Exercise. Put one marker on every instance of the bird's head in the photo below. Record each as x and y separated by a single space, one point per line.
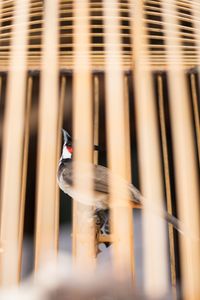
67 145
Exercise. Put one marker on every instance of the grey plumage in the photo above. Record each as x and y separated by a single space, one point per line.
100 177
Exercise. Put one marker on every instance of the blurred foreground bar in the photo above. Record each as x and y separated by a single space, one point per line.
84 251
154 235
12 156
121 211
186 180
47 214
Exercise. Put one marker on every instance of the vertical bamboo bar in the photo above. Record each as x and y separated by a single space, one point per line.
13 137
184 154
195 10
196 24
59 138
24 168
1 2
47 214
115 122
0 87
196 112
155 258
96 117
83 141
167 183
128 167
127 128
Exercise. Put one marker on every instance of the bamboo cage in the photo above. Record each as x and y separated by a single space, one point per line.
121 75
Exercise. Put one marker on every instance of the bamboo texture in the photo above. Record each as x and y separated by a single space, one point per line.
196 114
59 143
185 162
96 117
167 183
47 214
129 176
84 233
115 109
81 47
155 256
12 160
24 170
153 18
196 14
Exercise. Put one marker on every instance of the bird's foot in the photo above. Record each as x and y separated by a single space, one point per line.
101 217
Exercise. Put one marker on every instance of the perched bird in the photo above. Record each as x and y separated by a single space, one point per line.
101 188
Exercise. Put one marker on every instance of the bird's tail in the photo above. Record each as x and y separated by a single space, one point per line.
177 224
137 198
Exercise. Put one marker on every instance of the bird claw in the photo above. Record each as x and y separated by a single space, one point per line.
102 227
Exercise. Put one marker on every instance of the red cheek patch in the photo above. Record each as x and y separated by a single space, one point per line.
69 149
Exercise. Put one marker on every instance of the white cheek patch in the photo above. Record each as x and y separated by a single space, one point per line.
66 153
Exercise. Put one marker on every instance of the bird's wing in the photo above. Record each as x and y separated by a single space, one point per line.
101 176
101 183
100 179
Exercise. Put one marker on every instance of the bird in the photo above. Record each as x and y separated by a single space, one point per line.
101 189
